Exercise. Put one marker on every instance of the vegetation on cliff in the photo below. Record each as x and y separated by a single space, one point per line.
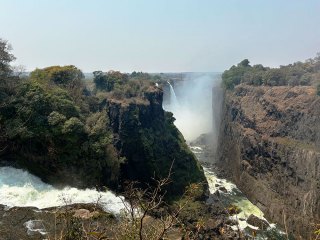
49 129
52 124
145 134
299 73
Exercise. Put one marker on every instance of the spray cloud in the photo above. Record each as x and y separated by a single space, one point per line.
193 106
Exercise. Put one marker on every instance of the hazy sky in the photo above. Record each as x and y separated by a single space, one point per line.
160 35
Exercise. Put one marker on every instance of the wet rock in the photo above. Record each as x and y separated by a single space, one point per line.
212 224
85 214
29 223
231 222
35 227
217 193
257 222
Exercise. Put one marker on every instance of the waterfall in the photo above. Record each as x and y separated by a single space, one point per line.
193 108
22 189
174 104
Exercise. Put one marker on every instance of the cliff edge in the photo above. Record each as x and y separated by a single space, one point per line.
270 146
145 135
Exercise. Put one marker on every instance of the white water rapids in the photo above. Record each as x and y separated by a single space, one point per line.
20 188
194 116
231 195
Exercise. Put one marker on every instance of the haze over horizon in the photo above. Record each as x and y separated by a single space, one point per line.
154 36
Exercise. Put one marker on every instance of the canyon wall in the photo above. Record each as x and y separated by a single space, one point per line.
269 145
124 138
146 137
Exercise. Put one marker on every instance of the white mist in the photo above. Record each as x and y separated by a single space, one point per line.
193 105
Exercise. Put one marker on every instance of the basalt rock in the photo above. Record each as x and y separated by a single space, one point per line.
146 137
270 146
257 222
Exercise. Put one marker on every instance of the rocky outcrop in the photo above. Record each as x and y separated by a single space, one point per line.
270 146
146 137
30 223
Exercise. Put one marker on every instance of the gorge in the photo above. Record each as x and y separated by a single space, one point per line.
198 118
250 135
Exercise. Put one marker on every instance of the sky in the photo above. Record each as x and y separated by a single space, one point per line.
160 35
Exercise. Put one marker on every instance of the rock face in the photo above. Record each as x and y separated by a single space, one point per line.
269 145
145 135
139 132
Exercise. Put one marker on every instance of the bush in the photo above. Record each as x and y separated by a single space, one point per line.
293 74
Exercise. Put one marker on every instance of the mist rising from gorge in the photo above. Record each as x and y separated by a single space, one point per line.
194 108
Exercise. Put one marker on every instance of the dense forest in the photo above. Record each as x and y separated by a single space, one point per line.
299 73
58 128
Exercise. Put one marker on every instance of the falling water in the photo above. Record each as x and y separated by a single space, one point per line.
22 189
190 102
199 111
174 104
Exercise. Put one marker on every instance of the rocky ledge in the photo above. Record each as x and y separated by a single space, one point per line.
89 221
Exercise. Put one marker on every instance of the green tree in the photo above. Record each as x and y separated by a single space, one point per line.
108 81
67 77
6 57
60 75
274 77
234 76
244 63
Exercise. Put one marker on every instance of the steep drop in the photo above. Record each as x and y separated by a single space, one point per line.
270 148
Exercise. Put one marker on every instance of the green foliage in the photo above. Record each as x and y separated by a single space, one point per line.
151 145
122 86
66 75
318 90
51 125
140 75
73 126
6 57
293 74
132 89
234 75
69 78
108 81
45 123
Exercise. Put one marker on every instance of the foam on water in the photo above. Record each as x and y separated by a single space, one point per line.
213 181
22 189
235 196
34 226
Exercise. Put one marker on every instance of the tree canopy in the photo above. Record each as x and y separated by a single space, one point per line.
299 73
6 57
108 81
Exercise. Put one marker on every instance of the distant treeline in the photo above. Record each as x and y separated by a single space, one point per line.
299 73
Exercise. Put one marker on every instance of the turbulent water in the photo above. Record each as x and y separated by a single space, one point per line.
231 195
195 102
20 188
